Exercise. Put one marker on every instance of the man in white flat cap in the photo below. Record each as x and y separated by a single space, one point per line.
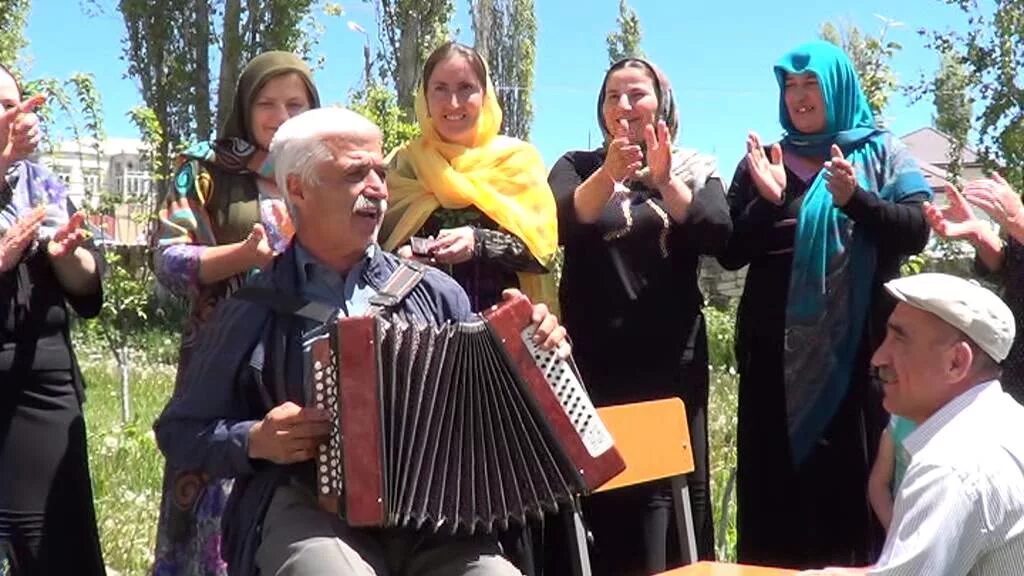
960 508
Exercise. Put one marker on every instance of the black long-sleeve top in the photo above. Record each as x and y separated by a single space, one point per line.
655 329
764 235
34 316
1011 280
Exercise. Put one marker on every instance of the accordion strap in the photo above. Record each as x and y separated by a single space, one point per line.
399 284
395 289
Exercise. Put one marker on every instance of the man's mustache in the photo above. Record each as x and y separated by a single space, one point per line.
367 203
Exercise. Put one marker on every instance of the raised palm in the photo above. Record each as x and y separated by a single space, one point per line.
998 200
768 173
659 153
15 140
957 220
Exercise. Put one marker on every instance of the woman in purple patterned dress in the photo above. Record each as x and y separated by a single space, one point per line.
222 218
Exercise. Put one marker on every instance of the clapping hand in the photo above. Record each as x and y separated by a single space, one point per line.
19 131
957 220
769 174
840 177
68 237
998 200
624 158
19 237
659 153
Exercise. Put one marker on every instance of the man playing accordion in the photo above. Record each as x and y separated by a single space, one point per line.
242 412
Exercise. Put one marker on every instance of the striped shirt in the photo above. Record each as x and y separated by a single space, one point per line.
960 509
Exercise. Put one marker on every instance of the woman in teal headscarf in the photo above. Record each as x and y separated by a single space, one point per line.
822 218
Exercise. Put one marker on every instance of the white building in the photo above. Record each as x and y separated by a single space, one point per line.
112 170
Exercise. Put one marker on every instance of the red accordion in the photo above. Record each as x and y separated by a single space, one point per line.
464 427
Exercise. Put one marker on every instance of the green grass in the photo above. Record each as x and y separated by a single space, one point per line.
722 430
127 467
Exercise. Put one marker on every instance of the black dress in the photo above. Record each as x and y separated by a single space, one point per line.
632 306
47 520
818 514
1011 280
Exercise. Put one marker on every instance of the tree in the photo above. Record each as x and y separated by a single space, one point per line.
73 105
992 53
380 105
505 33
409 30
267 25
70 102
13 16
953 109
871 57
625 43
159 49
167 48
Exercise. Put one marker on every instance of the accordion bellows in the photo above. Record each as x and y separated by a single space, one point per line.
465 427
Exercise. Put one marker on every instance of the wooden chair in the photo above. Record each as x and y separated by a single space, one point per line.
654 440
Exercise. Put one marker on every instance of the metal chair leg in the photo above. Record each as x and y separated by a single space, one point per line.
580 552
684 519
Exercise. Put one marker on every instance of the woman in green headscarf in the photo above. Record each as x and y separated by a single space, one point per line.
822 218
222 218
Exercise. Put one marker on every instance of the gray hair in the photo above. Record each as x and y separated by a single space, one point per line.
298 145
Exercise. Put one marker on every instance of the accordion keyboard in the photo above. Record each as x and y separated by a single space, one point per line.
571 395
325 390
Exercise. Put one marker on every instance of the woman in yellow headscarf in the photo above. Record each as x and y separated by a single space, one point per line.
481 200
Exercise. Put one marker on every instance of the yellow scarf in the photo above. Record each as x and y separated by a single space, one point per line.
503 177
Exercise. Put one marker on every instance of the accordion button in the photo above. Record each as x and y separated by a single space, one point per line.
324 490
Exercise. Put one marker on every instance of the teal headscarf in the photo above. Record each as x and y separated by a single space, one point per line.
834 260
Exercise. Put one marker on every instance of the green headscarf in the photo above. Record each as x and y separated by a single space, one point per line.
234 206
257 72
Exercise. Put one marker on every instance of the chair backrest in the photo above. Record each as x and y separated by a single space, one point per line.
716 569
653 439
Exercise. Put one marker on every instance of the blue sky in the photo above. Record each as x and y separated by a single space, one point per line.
718 55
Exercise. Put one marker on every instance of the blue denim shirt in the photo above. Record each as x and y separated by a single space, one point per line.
349 292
